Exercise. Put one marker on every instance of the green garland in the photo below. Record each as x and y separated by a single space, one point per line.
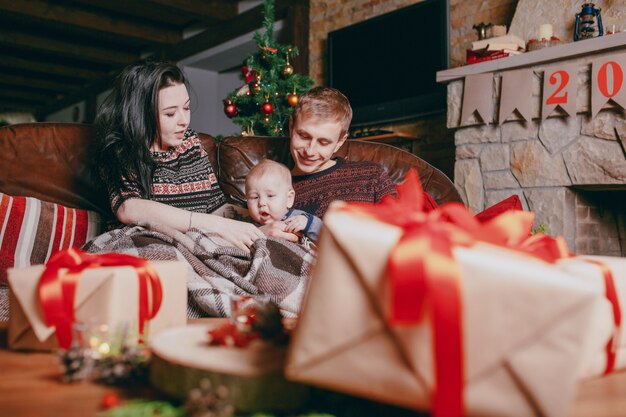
144 408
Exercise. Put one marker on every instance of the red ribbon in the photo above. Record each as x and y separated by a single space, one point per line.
421 268
57 288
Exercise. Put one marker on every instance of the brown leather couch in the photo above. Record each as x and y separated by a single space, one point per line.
53 162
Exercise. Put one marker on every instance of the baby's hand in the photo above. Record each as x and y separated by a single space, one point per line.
296 223
278 229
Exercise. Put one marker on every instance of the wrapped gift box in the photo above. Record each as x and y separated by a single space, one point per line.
105 295
529 328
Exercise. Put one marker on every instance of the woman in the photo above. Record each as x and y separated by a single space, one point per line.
161 183
155 167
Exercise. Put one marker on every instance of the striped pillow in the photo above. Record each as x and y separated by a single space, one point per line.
32 230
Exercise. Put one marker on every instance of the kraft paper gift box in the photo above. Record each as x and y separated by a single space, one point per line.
529 329
590 269
104 295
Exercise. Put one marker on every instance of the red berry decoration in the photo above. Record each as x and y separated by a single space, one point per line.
110 400
267 108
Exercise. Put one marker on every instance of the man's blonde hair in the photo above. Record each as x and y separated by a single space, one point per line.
325 103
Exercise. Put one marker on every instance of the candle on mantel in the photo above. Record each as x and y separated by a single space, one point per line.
545 32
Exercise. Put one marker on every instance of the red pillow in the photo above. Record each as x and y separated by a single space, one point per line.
32 230
511 203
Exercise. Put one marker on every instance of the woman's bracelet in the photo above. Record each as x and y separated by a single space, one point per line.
190 215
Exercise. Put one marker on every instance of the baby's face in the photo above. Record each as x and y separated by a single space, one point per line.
269 197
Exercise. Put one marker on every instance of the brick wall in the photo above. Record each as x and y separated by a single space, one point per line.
436 143
329 15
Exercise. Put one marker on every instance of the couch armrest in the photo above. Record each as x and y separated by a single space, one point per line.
52 162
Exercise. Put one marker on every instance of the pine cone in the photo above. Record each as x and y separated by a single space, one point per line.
129 365
269 324
76 363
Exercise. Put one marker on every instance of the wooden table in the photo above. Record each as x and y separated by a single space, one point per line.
30 387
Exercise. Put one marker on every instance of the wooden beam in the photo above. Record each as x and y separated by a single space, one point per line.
12 106
245 22
138 8
45 11
47 67
92 89
36 82
67 49
211 9
7 93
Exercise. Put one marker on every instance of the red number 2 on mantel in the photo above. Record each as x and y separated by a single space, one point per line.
555 77
618 79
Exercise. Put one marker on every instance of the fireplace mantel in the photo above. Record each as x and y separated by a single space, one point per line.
562 166
543 56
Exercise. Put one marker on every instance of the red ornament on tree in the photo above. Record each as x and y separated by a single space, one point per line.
248 73
229 108
267 108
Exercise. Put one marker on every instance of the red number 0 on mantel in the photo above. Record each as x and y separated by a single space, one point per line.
618 78
555 98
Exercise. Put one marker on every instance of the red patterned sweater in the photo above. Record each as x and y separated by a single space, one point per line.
183 178
363 181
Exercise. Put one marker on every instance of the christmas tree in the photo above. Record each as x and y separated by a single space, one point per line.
262 106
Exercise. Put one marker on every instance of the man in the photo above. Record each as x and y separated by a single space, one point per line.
318 127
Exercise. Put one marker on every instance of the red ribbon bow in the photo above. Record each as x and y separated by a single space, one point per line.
57 288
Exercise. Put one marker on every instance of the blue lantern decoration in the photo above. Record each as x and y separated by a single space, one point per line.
585 25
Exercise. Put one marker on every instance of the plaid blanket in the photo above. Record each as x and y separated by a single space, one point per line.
4 303
216 269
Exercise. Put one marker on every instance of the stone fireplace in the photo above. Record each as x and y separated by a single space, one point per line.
570 170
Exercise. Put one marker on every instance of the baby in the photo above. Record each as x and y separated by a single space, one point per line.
270 197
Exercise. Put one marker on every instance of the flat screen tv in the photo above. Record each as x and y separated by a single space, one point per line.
386 65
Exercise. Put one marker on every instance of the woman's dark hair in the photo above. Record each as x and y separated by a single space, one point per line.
127 123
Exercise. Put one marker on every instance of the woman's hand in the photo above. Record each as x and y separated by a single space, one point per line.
278 229
240 234
137 211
